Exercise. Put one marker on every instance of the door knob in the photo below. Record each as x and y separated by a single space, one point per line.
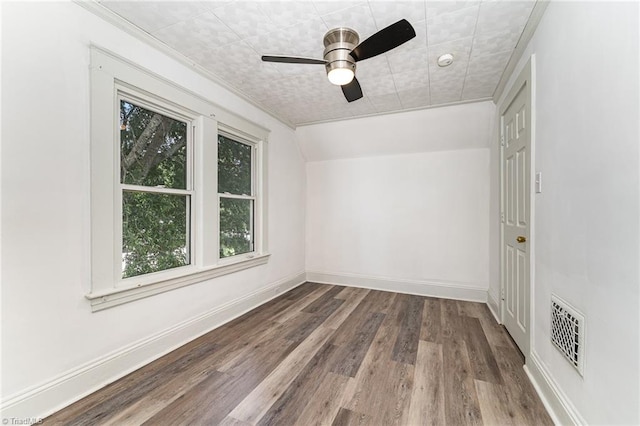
521 239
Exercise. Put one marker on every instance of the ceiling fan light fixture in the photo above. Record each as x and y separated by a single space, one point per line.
341 76
342 49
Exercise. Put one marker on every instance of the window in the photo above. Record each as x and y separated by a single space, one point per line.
156 189
177 186
236 196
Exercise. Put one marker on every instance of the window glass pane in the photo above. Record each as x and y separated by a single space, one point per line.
236 226
153 148
155 232
234 167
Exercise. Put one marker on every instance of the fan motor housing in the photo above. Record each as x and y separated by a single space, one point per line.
338 44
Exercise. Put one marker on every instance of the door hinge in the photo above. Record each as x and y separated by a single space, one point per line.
502 293
502 217
502 140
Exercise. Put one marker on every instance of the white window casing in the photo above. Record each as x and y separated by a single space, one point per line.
113 78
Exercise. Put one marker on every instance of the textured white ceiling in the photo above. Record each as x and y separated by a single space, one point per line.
228 37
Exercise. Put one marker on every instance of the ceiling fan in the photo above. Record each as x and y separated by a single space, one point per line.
342 51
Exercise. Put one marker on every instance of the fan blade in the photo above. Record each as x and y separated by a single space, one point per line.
352 91
293 60
384 40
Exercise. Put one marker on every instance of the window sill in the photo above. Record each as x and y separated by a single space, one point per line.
120 295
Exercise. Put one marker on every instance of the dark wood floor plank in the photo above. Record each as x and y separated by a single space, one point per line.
357 396
351 418
253 407
450 319
245 352
350 292
129 382
300 291
325 403
483 363
352 324
255 319
430 329
351 302
315 320
523 400
300 392
495 333
225 392
301 303
322 354
393 381
406 346
461 401
267 355
391 404
208 402
158 399
323 300
350 356
135 386
166 392
470 309
377 301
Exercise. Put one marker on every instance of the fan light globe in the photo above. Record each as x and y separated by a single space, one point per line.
340 76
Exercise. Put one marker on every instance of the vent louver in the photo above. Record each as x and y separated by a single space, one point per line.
567 332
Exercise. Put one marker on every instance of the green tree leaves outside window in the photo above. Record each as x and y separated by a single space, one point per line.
235 178
155 226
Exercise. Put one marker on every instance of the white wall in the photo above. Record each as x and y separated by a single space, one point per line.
587 234
413 221
47 325
465 126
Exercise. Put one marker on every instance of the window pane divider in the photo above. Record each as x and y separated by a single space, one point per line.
237 197
156 189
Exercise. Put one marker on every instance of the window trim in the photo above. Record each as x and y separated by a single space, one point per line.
111 76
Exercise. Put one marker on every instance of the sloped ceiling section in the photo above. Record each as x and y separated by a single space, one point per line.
454 127
227 38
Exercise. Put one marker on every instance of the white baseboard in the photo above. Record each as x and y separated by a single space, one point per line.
494 307
47 398
448 290
555 401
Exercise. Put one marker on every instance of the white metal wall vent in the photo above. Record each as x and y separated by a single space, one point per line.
567 332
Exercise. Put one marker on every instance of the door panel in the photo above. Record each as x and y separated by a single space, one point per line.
510 265
516 195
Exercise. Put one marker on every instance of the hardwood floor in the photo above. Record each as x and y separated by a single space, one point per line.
331 355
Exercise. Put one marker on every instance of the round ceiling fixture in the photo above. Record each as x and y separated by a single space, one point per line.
340 76
445 60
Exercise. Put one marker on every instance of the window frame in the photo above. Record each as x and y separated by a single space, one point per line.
160 106
113 79
254 196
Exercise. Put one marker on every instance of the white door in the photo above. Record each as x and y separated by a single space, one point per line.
516 166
